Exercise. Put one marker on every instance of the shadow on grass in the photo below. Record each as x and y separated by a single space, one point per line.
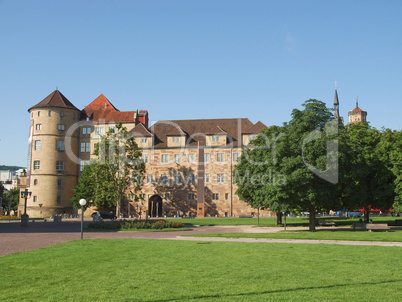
279 291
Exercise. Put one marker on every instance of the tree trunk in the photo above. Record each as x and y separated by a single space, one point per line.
278 218
311 225
366 215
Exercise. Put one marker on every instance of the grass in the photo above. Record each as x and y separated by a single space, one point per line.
390 236
135 230
271 222
167 270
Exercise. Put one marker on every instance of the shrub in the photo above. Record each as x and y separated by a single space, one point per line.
140 224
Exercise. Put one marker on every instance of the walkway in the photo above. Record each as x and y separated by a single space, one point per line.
15 238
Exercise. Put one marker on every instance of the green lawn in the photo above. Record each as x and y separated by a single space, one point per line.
270 222
391 236
167 270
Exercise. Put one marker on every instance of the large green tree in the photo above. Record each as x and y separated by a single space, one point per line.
117 170
373 180
298 160
85 189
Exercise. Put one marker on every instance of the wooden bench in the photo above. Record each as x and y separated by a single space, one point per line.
326 222
377 227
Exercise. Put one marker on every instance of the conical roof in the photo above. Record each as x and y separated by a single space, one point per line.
336 101
55 99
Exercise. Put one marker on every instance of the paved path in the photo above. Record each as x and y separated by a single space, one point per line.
15 238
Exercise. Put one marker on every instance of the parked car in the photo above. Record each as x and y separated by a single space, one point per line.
105 215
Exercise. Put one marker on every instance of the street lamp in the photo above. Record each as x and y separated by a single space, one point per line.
24 217
83 202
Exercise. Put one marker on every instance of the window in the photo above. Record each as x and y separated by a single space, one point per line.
167 196
61 114
37 145
191 178
38 113
251 137
83 163
164 179
226 196
177 158
206 177
60 145
60 127
35 198
220 157
36 165
191 158
206 157
144 140
215 138
215 196
144 158
165 158
35 182
176 139
142 196
59 182
150 178
38 126
178 179
59 165
85 147
99 130
191 196
236 156
113 129
50 113
58 199
220 177
86 130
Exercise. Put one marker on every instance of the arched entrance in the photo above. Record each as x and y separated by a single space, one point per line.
155 206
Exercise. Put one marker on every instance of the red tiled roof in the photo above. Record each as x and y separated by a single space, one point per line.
102 110
196 130
55 99
357 109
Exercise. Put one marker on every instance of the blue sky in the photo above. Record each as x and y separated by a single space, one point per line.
199 59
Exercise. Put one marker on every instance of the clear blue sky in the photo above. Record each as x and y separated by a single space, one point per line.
199 59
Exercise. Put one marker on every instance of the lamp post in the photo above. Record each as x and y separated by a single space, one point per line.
24 217
83 202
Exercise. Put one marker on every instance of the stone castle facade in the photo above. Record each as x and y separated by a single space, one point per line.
189 163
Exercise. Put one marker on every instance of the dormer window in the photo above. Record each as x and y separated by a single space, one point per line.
215 138
176 139
144 140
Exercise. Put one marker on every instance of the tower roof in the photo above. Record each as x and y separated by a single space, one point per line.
55 99
336 101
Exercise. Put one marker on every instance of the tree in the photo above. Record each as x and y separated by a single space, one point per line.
371 171
12 198
1 190
117 169
85 189
298 161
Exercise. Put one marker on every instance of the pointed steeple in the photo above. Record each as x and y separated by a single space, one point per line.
336 104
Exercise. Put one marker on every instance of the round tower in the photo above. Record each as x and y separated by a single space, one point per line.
51 173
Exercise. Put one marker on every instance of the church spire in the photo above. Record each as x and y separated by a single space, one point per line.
336 103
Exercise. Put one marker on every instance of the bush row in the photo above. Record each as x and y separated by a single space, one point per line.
127 225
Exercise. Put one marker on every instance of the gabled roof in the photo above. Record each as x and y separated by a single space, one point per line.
256 128
140 131
102 110
196 130
55 99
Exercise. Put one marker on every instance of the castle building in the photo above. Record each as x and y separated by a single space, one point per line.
189 163
357 115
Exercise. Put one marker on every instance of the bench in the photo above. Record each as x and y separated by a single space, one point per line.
377 227
326 222
398 221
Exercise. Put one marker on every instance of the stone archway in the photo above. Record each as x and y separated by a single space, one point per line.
155 206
